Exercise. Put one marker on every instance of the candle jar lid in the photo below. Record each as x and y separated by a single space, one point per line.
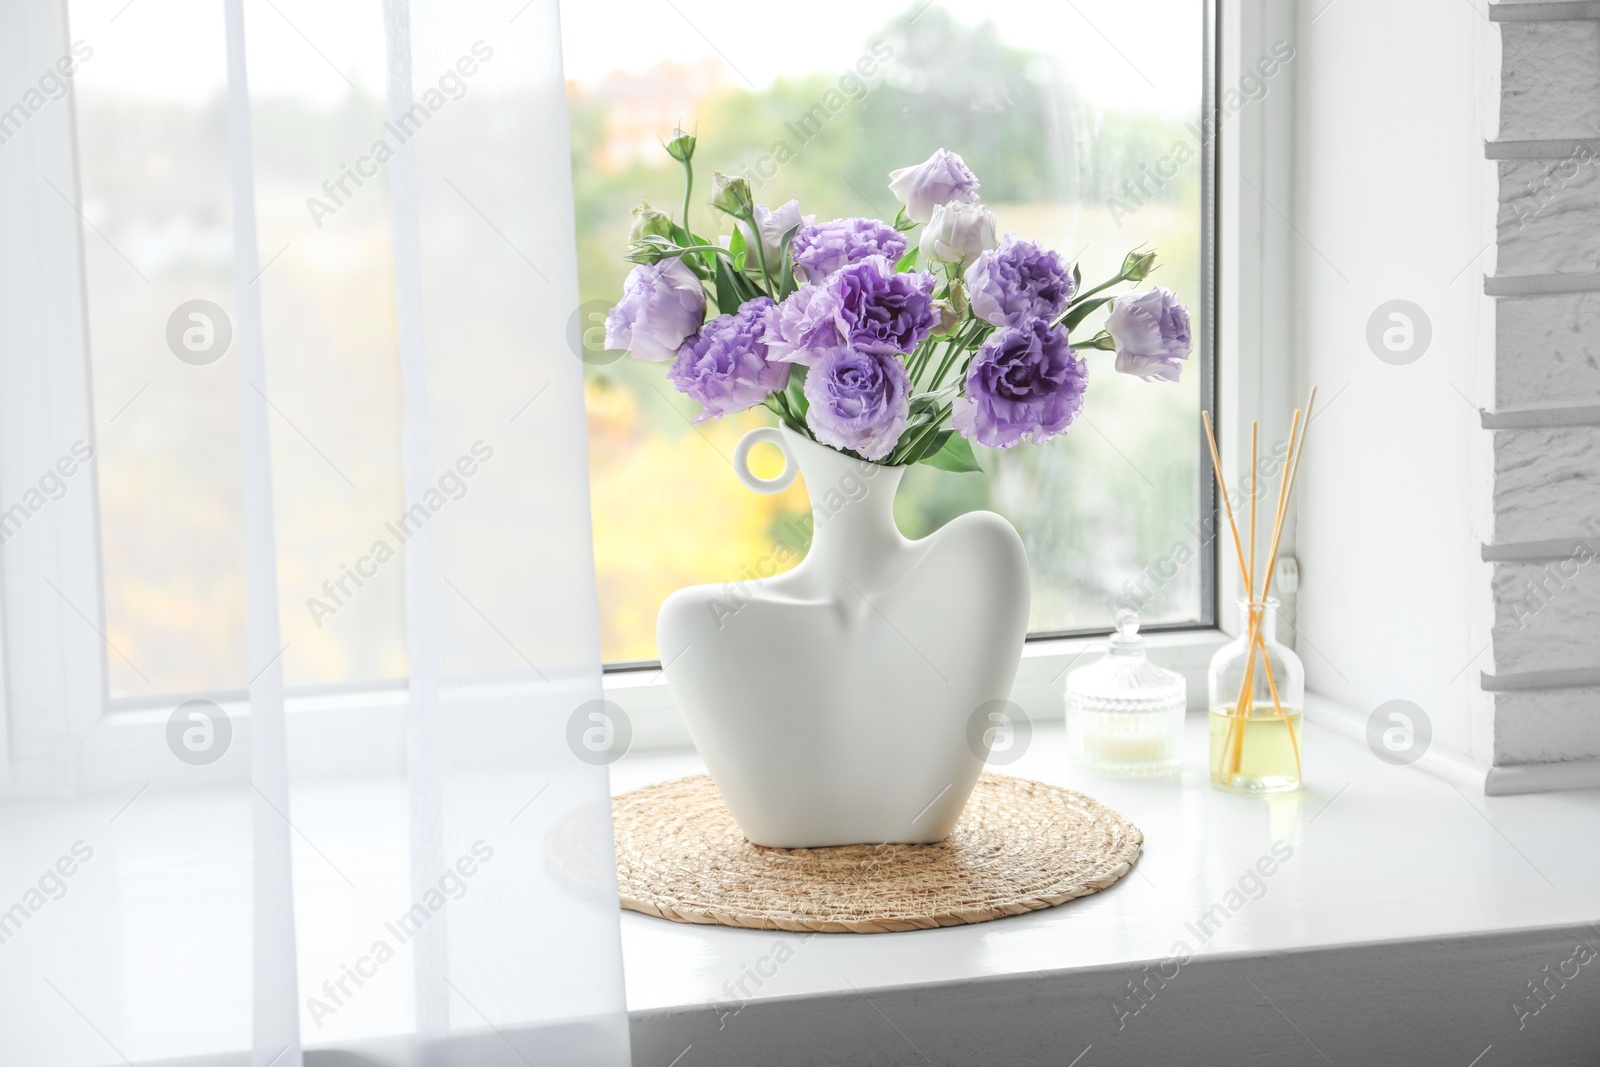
1125 676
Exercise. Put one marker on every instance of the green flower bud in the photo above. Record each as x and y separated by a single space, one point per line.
648 220
732 196
681 147
649 249
1137 267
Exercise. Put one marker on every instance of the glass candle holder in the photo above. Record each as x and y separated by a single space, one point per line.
1257 708
1125 714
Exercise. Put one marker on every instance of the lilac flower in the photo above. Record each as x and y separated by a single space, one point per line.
808 325
957 233
772 223
943 178
888 313
821 249
1018 281
1025 384
859 401
865 307
725 366
1151 330
662 304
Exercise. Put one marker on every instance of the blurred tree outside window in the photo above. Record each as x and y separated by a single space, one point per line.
1070 139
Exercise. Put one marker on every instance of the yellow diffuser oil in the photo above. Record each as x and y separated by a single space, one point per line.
1257 754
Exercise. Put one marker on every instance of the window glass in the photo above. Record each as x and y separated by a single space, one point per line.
1081 120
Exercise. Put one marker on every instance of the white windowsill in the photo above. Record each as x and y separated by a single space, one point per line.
1381 855
1383 858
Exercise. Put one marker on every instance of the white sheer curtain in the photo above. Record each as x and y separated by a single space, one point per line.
347 846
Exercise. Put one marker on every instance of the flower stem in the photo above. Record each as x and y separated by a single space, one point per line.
1086 294
761 252
919 358
944 366
967 338
930 430
778 404
688 190
697 248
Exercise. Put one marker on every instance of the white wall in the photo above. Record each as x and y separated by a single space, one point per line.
1393 200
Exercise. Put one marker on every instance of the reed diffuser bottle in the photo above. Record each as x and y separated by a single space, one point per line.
1257 703
1257 687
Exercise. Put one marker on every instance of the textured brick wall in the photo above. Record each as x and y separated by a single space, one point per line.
1543 535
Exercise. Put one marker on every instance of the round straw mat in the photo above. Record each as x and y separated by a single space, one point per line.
1020 846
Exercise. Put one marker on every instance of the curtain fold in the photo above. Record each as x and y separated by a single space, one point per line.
423 735
347 844
276 1034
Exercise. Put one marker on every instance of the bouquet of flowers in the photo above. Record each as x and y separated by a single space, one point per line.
858 338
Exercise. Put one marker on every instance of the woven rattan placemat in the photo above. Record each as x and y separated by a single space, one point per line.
1020 846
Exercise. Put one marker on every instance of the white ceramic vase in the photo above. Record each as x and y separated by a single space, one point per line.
849 700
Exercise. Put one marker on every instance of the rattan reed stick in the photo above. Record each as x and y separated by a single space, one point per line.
1254 623
1285 492
1244 570
1222 489
1255 473
1245 704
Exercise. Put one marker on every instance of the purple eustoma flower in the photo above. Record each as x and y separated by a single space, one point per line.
1018 281
1151 330
662 304
862 307
808 325
859 401
821 249
887 312
1025 384
725 366
940 180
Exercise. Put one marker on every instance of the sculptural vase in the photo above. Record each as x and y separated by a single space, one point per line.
853 698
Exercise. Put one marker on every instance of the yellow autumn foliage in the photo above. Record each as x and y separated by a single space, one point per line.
669 512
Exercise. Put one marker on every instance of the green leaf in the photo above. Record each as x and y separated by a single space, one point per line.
1101 340
729 296
1081 312
914 443
684 239
902 223
907 262
795 391
953 454
778 403
738 249
786 282
922 434
926 445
